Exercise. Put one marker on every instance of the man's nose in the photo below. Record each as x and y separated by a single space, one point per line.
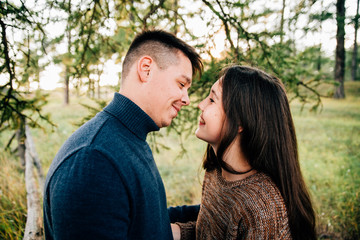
185 99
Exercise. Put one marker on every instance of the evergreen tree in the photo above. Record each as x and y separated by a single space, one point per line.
340 49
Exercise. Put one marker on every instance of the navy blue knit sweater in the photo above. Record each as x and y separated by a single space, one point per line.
104 183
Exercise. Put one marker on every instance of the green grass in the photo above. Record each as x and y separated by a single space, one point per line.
329 143
12 198
328 147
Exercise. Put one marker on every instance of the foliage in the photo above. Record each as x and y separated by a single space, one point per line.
19 58
253 41
348 64
99 30
93 110
96 32
86 35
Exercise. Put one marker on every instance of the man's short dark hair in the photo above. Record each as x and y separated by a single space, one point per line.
163 48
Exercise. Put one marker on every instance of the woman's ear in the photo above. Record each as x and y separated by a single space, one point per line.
240 129
143 68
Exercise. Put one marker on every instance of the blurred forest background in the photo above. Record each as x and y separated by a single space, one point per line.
72 45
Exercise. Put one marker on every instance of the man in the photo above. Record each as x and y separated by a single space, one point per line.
104 183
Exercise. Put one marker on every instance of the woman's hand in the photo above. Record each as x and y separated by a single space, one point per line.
176 231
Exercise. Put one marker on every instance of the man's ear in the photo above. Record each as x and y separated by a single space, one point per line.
143 68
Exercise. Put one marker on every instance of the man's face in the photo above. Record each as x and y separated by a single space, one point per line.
169 91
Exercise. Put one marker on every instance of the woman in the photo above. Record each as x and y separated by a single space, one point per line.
253 187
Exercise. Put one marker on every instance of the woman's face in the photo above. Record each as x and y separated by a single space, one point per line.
212 117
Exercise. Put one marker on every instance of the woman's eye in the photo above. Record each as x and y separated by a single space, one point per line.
212 100
182 84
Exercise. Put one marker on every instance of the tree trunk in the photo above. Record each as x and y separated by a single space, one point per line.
20 136
354 55
90 91
66 89
131 14
340 49
67 68
282 33
30 147
38 78
318 65
33 229
176 16
98 87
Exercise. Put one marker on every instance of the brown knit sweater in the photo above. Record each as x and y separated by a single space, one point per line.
252 208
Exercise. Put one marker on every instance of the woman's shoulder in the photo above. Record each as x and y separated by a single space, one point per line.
258 188
255 202
259 205
258 180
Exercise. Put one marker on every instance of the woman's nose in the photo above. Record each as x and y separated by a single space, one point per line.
201 105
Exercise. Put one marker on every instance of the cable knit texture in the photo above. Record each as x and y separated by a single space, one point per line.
252 208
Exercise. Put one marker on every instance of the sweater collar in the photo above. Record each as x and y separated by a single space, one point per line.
131 115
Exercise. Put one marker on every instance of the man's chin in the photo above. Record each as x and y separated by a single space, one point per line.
165 124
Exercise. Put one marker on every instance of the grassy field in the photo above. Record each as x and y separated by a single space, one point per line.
329 143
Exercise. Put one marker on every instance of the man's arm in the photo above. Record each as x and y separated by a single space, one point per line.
183 214
88 199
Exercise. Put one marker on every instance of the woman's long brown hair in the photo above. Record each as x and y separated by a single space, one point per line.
258 103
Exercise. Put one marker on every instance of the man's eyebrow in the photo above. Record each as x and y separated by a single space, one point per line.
186 78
